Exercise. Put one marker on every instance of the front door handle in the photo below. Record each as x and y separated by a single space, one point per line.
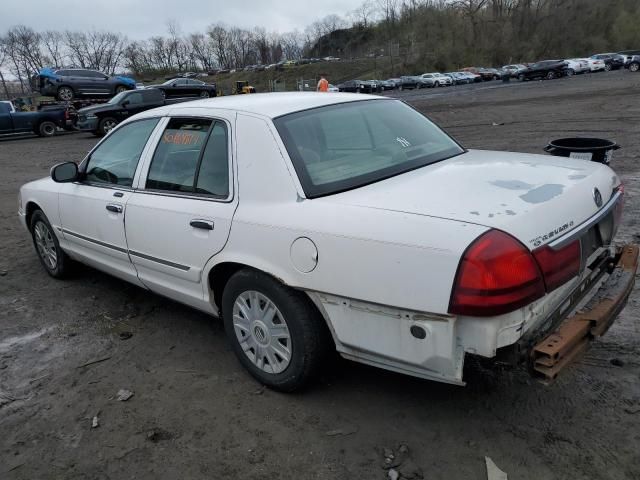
114 208
202 224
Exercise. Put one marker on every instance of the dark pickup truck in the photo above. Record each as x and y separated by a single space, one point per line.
43 122
100 119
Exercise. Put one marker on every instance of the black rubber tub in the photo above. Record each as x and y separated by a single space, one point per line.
594 149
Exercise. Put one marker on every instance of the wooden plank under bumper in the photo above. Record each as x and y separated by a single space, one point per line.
572 338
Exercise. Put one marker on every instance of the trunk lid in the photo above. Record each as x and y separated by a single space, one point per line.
535 198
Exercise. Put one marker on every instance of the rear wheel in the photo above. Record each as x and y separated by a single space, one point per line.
521 77
551 75
204 94
275 331
51 256
47 129
570 72
65 94
634 67
607 67
106 125
121 88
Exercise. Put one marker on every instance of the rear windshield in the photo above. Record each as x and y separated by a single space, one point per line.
346 146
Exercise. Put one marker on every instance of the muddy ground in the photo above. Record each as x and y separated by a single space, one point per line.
197 414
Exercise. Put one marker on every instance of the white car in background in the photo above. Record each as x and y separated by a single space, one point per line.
333 88
595 65
577 65
311 222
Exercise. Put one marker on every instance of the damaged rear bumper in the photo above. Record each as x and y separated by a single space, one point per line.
550 355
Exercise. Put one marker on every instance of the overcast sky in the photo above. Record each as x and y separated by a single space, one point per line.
139 19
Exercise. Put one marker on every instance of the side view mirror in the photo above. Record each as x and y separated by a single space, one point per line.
64 172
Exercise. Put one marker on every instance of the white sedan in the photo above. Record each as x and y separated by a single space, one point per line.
312 222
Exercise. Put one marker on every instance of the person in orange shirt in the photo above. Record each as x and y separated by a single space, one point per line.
323 84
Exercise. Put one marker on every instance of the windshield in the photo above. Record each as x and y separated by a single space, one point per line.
118 98
346 146
169 82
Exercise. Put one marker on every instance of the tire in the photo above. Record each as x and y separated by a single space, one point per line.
295 320
521 77
47 246
550 75
65 94
436 85
46 129
106 125
607 67
570 72
400 88
204 94
121 88
634 67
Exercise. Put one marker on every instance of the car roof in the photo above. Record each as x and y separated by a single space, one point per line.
270 105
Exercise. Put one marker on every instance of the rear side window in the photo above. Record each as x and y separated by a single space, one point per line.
192 157
151 95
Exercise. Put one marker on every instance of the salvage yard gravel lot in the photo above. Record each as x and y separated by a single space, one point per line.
68 347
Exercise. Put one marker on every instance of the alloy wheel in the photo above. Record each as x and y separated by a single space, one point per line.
46 245
262 332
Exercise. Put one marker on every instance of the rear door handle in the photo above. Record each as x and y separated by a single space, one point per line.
114 208
202 224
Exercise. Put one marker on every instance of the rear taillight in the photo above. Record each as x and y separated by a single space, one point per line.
497 274
558 266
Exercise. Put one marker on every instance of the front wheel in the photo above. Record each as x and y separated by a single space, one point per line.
106 125
121 88
521 77
570 72
634 67
607 67
51 256
551 76
275 331
204 94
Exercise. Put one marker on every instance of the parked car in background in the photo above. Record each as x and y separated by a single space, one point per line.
547 69
612 61
408 82
383 85
426 80
43 122
68 83
473 77
379 246
634 63
628 56
577 65
458 78
595 65
514 69
186 87
358 86
101 119
333 88
483 73
395 81
442 80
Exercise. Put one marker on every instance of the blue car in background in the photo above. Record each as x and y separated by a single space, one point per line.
68 83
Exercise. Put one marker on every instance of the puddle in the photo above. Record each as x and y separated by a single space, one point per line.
12 342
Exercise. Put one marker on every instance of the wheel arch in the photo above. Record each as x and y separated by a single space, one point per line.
30 208
220 273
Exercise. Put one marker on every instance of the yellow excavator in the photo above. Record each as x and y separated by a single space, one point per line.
244 87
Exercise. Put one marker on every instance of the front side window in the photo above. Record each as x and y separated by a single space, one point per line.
114 161
135 98
192 157
346 146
